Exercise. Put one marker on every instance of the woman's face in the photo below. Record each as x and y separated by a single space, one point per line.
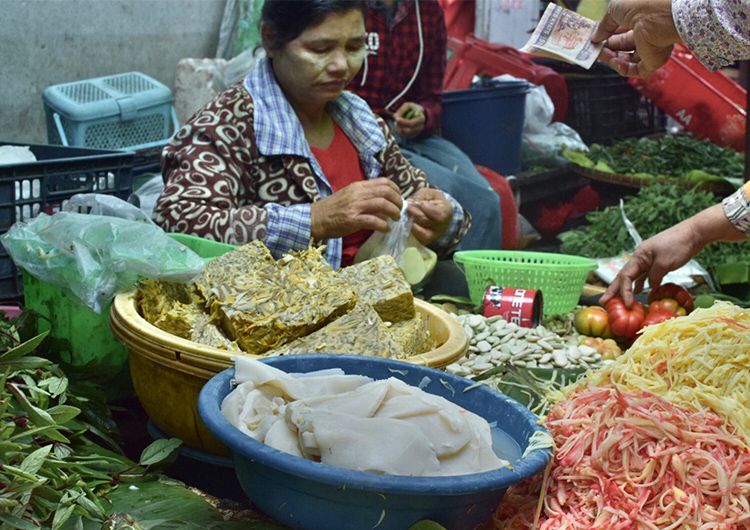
315 67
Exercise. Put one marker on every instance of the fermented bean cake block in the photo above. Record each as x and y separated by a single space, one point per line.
380 283
411 335
236 271
171 307
303 295
209 334
361 331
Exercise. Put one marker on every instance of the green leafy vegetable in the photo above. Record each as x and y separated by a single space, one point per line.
655 208
668 155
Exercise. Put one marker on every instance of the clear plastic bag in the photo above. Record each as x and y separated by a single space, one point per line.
92 257
414 259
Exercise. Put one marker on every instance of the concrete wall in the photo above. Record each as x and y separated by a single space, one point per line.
47 42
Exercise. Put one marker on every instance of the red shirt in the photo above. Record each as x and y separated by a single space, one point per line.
340 164
392 56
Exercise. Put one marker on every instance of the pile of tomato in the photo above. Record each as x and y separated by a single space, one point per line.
607 328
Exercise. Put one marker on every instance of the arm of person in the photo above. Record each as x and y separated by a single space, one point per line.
640 33
426 94
410 180
209 191
672 248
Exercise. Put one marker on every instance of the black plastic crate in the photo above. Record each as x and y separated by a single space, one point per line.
603 108
28 189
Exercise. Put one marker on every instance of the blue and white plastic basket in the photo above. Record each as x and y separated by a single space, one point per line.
124 111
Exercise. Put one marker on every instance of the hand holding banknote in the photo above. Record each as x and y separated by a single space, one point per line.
639 34
565 35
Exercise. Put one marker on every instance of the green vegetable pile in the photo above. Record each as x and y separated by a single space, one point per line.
655 208
671 156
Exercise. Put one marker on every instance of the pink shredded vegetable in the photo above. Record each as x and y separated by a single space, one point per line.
632 461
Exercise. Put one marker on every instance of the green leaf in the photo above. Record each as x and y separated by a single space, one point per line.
55 385
17 472
37 415
26 363
33 462
92 509
728 273
22 349
50 431
62 514
151 502
16 523
160 451
63 413
577 157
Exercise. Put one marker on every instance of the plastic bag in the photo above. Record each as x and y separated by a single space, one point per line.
414 259
11 155
146 196
240 28
92 257
544 139
240 65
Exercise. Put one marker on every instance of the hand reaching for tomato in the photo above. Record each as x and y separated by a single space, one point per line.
623 321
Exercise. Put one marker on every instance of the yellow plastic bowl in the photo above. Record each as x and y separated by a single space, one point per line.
169 372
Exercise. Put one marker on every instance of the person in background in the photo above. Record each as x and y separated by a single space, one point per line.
287 156
639 38
402 80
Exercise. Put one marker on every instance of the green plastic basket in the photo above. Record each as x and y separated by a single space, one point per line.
560 277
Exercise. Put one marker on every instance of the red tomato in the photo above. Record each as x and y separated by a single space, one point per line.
592 321
658 316
665 304
675 292
607 348
623 321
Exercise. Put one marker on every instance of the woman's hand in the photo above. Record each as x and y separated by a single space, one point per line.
365 205
409 120
432 214
639 34
669 250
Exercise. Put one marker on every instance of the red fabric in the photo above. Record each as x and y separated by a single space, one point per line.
508 206
340 164
392 55
553 214
459 17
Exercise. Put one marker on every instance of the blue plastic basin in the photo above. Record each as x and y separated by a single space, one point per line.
310 495
487 124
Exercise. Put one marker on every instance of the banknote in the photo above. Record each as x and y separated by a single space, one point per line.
565 35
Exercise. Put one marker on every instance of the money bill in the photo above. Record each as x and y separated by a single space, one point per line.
565 35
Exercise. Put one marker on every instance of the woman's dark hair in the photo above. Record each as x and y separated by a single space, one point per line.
287 19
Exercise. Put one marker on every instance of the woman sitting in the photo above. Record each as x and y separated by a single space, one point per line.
287 156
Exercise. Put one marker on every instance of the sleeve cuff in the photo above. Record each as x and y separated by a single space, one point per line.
737 209
288 228
455 227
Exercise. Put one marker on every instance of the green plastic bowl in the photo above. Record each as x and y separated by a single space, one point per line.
560 277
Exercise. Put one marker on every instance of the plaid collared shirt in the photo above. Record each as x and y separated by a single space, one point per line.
392 56
278 131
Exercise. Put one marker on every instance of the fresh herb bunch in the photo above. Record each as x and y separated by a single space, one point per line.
655 208
669 155
53 471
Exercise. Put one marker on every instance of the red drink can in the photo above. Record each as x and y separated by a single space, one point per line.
519 306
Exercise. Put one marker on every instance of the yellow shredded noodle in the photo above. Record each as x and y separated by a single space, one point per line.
701 360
